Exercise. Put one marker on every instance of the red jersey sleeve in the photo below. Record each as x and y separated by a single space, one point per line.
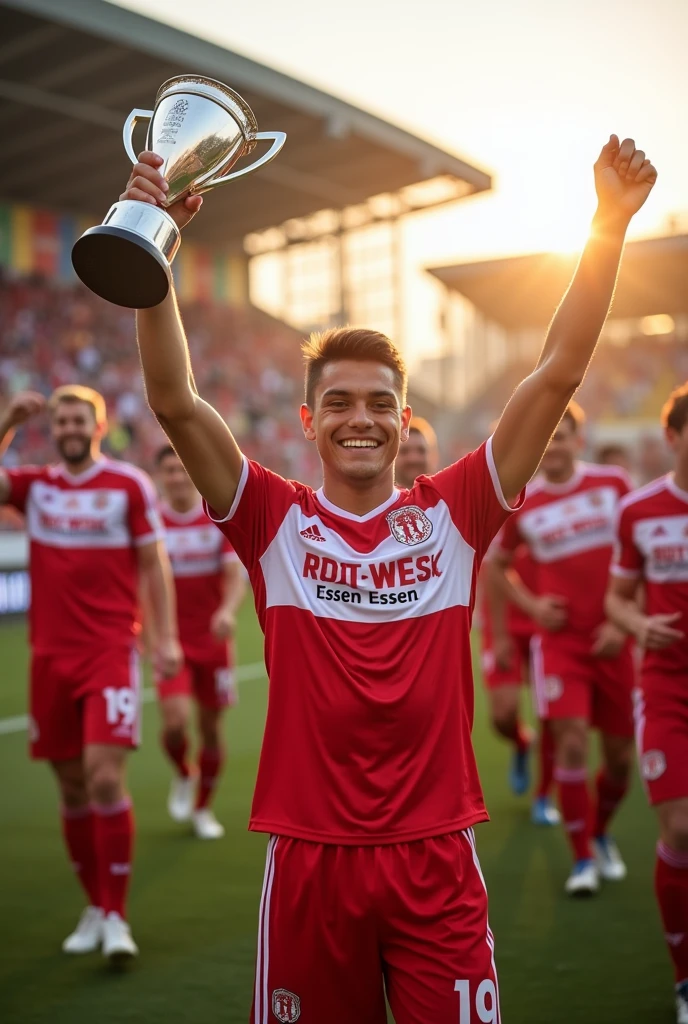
627 560
474 495
145 524
262 500
509 537
227 551
20 484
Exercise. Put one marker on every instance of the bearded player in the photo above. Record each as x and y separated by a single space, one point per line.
367 782
582 663
648 598
209 584
95 536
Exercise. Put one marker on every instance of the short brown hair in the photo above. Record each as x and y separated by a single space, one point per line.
357 343
422 427
574 414
80 393
675 409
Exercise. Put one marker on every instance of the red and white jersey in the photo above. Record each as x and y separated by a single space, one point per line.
366 622
84 531
517 622
652 545
569 531
197 551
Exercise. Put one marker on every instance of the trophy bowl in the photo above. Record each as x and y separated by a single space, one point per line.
200 128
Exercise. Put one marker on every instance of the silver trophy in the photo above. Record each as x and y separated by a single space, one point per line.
200 128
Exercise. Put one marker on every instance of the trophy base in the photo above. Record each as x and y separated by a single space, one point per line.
121 266
126 259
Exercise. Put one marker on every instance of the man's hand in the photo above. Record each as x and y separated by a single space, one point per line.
147 185
608 641
169 657
623 179
503 650
22 407
655 632
223 624
549 611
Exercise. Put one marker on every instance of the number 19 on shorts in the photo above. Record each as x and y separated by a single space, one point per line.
485 1001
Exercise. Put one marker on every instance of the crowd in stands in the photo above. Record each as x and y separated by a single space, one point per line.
248 366
245 363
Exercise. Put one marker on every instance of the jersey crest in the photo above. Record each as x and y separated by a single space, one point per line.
409 525
285 1005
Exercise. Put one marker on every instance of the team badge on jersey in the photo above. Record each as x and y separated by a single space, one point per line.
553 687
409 525
653 765
101 499
285 1005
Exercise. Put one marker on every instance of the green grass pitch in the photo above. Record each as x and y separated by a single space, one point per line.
194 905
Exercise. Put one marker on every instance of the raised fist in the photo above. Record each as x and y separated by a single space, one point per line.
22 407
624 178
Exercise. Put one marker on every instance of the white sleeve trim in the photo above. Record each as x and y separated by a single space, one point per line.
496 483
237 497
628 574
147 538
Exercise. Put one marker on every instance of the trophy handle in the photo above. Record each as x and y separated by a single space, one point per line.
136 115
279 138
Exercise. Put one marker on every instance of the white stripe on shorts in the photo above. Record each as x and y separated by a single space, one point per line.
489 938
263 957
537 674
135 684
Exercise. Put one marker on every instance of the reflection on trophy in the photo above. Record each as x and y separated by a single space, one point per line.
200 128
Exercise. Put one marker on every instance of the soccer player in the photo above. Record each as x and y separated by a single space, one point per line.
209 583
418 456
648 597
505 636
367 783
94 533
582 663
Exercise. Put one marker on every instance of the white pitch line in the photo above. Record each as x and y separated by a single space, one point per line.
244 673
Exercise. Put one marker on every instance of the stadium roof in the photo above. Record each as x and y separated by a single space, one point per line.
524 291
71 70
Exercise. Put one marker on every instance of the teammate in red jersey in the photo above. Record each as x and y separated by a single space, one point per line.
582 663
209 584
505 636
94 532
651 555
367 781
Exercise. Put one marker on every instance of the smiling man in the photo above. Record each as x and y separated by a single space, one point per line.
95 535
367 782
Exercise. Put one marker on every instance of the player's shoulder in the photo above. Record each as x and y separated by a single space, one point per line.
643 499
592 472
114 472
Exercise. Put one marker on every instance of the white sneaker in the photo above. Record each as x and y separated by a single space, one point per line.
117 941
88 934
682 1003
181 799
206 825
584 879
609 863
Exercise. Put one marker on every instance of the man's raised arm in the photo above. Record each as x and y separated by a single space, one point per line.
198 433
623 181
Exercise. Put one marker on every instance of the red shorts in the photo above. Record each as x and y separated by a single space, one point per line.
570 683
335 920
211 681
78 699
661 729
517 672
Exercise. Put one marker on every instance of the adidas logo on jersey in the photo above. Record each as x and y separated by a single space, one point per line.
312 533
